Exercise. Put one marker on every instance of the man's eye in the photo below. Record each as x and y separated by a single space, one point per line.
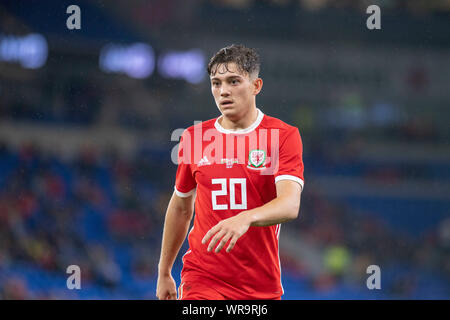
234 81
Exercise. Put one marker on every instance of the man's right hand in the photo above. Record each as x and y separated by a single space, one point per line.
166 288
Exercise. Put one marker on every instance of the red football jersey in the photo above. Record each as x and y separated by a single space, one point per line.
233 171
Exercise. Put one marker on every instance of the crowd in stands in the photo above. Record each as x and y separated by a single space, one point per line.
352 240
161 11
55 214
105 214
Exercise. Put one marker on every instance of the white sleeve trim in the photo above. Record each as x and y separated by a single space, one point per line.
289 177
182 194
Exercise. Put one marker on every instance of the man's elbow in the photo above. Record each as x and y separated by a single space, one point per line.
293 214
294 209
290 193
185 213
182 206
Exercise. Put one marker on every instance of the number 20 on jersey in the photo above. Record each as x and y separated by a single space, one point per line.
229 189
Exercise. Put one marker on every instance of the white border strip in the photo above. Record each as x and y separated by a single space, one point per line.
252 127
289 177
279 260
182 194
180 292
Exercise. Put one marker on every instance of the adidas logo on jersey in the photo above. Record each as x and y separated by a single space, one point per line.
203 162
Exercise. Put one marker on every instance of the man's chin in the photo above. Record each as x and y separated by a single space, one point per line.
229 108
229 112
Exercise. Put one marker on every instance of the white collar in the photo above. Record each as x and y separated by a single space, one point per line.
252 127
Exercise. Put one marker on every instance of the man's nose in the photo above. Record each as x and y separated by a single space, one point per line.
224 92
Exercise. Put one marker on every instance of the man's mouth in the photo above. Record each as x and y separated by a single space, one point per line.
226 103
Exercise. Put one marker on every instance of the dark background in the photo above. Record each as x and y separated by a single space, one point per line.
85 153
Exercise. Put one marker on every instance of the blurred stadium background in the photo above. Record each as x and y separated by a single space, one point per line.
86 118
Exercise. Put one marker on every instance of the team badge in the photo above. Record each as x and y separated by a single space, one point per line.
256 158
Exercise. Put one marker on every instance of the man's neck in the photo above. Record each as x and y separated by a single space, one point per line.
243 123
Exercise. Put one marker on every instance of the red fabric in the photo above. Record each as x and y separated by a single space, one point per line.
197 290
252 269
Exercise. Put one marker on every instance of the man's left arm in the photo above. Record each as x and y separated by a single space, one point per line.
283 208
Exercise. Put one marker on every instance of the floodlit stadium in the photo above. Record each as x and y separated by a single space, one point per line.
93 101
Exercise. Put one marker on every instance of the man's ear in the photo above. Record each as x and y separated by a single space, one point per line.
257 84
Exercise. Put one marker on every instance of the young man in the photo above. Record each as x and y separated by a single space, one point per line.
244 170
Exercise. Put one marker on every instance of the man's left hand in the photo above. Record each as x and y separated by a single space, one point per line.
232 228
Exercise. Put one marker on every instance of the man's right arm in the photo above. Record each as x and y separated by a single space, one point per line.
178 217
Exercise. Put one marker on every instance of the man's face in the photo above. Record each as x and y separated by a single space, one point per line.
233 91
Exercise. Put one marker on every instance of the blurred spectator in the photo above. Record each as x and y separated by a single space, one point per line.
15 289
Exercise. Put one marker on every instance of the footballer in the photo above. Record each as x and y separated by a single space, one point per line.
242 174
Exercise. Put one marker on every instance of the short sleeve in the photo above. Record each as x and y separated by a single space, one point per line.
290 163
185 183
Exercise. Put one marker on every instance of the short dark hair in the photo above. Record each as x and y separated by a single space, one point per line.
246 59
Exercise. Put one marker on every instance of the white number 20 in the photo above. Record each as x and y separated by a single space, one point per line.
223 192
